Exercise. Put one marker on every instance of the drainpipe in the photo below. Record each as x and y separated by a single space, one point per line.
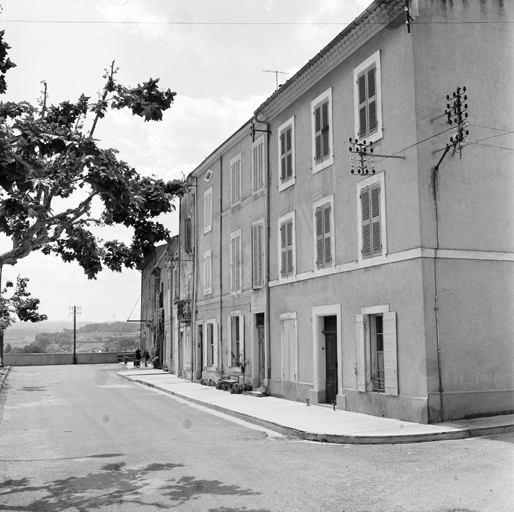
436 304
193 291
267 353
220 330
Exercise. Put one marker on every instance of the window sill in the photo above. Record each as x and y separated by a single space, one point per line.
322 165
286 184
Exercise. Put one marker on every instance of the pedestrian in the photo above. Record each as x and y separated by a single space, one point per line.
137 358
146 356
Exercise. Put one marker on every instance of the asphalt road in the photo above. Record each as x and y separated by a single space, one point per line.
77 438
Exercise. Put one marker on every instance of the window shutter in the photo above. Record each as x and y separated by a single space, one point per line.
255 167
283 249
257 257
366 223
317 125
238 181
260 162
375 221
361 82
319 236
360 361
283 164
215 342
289 153
238 263
328 247
372 100
390 354
325 129
241 334
232 264
290 268
229 341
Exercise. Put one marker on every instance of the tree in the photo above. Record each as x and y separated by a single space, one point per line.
19 304
49 153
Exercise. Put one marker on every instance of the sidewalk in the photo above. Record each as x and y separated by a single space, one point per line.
315 423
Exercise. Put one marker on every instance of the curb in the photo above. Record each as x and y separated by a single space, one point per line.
3 378
338 438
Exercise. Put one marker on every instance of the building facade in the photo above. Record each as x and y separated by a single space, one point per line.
354 241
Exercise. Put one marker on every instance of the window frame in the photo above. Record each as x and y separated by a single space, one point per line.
290 350
256 187
290 217
372 60
211 347
368 183
327 160
207 210
287 182
235 180
326 201
207 272
235 273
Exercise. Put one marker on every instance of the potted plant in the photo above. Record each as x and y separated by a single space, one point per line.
241 363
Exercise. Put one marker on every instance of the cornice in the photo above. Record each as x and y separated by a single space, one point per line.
369 23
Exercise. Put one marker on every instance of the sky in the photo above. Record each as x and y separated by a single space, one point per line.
212 53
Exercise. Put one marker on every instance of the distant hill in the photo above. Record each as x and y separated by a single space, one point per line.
21 329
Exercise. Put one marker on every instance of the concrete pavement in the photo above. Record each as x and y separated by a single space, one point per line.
315 423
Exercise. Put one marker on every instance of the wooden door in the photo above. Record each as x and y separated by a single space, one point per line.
330 333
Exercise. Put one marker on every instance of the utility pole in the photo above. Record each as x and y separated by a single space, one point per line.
76 311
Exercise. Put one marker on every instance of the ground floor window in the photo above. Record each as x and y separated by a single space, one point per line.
376 350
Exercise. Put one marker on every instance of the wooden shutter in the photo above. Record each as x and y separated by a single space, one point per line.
328 247
363 126
232 183
372 99
215 343
290 266
283 163
325 129
390 354
207 210
289 350
238 263
360 353
238 181
232 264
319 237
255 167
289 153
317 133
283 249
376 236
366 223
257 255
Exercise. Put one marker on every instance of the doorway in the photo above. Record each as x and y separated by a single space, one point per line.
331 379
259 324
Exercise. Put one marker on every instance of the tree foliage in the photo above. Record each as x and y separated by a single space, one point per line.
47 155
16 302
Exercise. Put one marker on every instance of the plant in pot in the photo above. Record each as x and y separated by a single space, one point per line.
241 363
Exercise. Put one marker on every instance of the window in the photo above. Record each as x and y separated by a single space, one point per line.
236 323
323 232
258 165
188 236
235 261
367 91
288 337
258 255
207 210
286 160
322 131
376 351
371 215
371 232
235 180
211 343
207 272
287 246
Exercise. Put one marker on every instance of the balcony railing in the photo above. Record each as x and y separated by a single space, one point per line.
184 310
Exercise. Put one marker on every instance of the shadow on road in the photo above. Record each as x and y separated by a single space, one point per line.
116 484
